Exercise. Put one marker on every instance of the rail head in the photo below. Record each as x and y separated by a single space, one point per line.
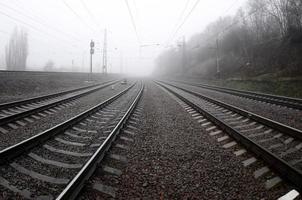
76 184
17 116
287 172
34 99
291 102
13 151
296 133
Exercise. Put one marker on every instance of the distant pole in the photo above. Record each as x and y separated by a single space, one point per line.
83 62
140 52
105 53
90 73
217 58
121 62
183 55
91 52
72 65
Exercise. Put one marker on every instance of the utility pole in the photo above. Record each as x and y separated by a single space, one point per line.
105 53
121 62
217 59
83 62
72 65
91 52
183 55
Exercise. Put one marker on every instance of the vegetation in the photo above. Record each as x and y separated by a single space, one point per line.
263 37
291 88
16 51
49 66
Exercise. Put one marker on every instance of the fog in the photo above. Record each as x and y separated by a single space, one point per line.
60 30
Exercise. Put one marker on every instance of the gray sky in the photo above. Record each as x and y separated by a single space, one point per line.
62 34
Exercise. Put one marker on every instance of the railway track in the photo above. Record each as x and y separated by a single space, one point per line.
18 113
56 163
294 103
280 146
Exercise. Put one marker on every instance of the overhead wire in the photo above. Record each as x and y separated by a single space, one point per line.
37 29
136 10
230 7
34 20
34 28
179 18
38 15
77 15
33 38
185 19
91 15
133 22
236 22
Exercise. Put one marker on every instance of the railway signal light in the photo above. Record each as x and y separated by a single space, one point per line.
91 53
92 44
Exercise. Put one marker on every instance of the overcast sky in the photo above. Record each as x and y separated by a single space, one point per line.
60 30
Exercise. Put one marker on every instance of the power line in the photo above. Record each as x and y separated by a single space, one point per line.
90 13
229 8
39 15
34 20
33 27
232 24
135 7
236 22
77 15
185 19
179 19
133 22
136 10
33 38
183 12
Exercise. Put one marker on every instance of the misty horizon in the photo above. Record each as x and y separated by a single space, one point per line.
60 31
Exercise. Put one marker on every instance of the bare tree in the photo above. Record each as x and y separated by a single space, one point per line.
49 66
265 36
16 51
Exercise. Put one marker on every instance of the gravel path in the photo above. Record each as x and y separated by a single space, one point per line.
173 158
44 123
281 114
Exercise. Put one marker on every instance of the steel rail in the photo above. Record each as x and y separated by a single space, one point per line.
285 170
17 116
77 183
44 97
290 102
15 150
296 133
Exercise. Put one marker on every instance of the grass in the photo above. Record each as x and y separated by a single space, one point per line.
290 88
266 83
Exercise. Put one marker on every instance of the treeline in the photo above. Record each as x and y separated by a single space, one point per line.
263 37
16 51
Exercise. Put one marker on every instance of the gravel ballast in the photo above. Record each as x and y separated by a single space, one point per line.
173 158
22 85
52 179
44 123
280 114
